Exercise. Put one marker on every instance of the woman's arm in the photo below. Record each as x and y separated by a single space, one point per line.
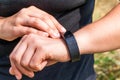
102 35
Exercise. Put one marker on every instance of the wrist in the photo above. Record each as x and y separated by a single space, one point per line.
60 52
65 51
72 46
84 40
1 24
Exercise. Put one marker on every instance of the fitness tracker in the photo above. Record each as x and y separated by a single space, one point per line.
72 46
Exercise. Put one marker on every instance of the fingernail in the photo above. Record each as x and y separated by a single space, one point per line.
11 71
57 35
31 75
17 77
63 29
54 34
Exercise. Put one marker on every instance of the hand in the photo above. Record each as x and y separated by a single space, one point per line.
29 20
28 58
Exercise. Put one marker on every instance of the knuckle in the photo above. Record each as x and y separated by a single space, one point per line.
14 58
11 57
21 15
32 38
23 63
32 64
48 29
54 20
44 18
35 21
51 17
17 20
32 7
23 10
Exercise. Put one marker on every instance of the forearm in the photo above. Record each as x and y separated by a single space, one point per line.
1 23
102 35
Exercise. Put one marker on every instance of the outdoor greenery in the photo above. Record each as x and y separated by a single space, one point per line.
107 65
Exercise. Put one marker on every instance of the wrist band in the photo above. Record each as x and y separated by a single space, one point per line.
72 46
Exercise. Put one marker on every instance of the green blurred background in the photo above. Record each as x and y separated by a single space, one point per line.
107 65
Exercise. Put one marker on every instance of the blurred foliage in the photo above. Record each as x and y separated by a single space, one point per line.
102 7
107 65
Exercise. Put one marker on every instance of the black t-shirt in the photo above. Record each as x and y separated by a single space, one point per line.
72 14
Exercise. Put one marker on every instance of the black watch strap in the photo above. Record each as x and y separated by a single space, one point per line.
72 46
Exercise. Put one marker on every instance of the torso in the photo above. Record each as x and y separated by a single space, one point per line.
9 7
72 14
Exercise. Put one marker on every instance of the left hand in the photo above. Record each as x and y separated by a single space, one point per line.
29 20
34 52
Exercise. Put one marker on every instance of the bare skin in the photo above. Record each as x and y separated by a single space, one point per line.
100 36
29 20
34 57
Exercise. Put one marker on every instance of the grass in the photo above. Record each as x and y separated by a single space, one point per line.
107 65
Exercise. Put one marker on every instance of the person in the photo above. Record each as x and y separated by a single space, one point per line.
48 58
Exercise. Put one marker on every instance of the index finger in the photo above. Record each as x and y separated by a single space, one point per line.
40 12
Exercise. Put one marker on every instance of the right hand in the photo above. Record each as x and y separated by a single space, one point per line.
29 20
27 58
